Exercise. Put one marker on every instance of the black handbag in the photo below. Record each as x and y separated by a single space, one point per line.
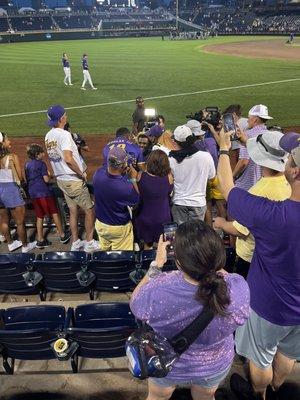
153 355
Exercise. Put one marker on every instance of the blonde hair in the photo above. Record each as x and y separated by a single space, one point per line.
167 141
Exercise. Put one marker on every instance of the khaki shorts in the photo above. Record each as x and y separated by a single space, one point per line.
114 237
76 194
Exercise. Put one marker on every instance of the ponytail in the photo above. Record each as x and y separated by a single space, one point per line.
200 253
213 292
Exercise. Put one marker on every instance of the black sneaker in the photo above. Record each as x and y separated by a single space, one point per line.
241 388
43 243
65 238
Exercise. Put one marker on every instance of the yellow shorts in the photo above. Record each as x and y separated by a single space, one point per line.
114 237
214 189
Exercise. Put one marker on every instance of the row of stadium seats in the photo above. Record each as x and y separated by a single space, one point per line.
91 331
77 272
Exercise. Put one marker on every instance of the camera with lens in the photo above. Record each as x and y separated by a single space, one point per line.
209 115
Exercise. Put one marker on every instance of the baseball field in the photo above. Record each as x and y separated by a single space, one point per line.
175 78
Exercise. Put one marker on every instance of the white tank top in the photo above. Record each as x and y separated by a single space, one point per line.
6 174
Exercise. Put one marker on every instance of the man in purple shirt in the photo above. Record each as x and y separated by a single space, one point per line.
114 193
134 152
271 337
246 172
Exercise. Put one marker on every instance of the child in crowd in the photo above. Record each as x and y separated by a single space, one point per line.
37 177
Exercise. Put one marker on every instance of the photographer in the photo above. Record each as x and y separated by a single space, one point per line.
168 302
114 192
138 117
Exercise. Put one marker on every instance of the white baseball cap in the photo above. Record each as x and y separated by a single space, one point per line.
182 132
195 127
260 111
265 150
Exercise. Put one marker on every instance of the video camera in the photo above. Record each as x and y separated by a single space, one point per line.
209 115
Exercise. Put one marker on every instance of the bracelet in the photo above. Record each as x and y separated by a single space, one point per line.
226 152
132 180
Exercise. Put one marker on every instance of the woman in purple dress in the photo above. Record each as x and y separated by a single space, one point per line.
155 187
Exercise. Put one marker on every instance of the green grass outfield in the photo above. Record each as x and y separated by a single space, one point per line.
31 79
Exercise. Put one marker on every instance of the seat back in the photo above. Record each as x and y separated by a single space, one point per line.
28 332
12 267
112 269
102 329
59 271
147 256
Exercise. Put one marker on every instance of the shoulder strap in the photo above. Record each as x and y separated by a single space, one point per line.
182 341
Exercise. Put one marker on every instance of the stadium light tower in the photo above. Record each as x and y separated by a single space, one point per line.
177 13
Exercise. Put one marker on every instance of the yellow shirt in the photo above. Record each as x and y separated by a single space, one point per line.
273 188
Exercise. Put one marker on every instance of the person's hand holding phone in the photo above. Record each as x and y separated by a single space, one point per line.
161 252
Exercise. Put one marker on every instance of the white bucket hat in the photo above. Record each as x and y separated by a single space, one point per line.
265 151
260 111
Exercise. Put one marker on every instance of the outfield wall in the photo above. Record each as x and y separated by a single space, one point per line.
73 35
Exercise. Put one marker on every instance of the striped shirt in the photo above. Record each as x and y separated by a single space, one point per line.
252 172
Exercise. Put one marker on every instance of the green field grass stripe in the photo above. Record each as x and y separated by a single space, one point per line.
159 97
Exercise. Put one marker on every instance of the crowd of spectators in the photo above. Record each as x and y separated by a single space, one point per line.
226 20
151 177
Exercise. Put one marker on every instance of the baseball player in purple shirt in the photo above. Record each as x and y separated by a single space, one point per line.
86 73
67 69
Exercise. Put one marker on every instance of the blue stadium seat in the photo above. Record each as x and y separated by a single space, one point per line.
146 256
112 269
60 271
100 330
13 267
27 333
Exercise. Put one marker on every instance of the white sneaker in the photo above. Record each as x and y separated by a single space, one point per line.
29 247
83 88
16 244
91 246
66 83
70 84
2 239
76 246
94 88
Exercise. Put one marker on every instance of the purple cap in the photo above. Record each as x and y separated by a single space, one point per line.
155 131
117 156
290 141
54 114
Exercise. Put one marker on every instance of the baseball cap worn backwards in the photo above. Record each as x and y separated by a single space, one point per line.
182 132
155 131
117 156
54 114
195 127
260 111
290 142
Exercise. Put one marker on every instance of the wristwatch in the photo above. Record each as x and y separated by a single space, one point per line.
153 270
224 152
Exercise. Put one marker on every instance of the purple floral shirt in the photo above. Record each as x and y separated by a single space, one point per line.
167 303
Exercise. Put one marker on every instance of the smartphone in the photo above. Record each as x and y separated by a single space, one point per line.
169 235
229 125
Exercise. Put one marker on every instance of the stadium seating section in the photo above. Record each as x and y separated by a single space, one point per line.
91 330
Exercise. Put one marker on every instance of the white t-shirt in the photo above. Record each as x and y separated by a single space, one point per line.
57 140
162 148
190 179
